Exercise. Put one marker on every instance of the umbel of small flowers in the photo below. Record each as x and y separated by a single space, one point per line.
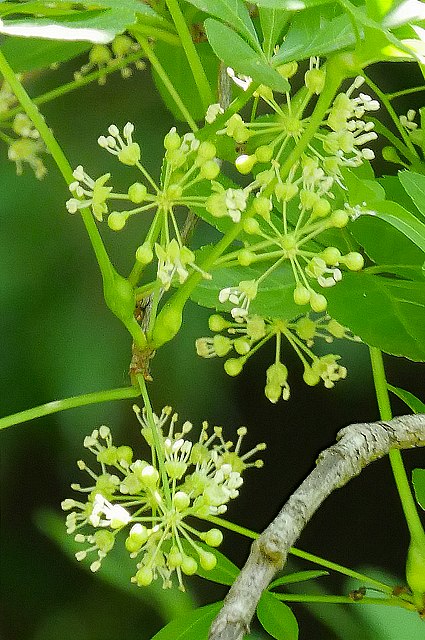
188 163
306 201
153 499
23 140
245 338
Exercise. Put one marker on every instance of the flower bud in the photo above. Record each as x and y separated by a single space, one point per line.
144 253
137 192
318 302
233 366
213 537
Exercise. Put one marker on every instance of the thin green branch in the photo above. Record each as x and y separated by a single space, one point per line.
192 56
163 75
407 500
68 403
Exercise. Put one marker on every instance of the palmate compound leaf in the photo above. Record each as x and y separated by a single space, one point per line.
416 405
385 312
277 618
240 56
224 572
29 54
414 185
192 626
235 13
315 32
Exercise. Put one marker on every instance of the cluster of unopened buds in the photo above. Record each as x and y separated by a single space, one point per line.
22 138
102 57
245 338
152 500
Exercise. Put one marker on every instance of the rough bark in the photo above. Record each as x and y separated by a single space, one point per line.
357 445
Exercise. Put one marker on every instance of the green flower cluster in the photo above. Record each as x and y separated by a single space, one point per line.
102 56
23 140
245 338
187 163
153 499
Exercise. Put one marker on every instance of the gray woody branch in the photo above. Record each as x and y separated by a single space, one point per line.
357 445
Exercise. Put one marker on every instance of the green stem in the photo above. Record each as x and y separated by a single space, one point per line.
117 290
147 49
336 72
389 602
363 579
57 154
156 435
192 56
413 521
68 403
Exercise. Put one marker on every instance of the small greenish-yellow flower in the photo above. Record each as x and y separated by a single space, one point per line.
90 193
197 479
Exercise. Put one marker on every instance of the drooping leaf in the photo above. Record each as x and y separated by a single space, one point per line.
416 405
235 13
192 626
277 618
298 576
414 184
386 313
418 479
236 53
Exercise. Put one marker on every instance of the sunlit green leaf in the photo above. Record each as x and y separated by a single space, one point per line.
414 184
401 219
386 313
315 33
274 297
277 618
192 626
27 54
272 23
236 53
235 13
418 479
289 5
416 405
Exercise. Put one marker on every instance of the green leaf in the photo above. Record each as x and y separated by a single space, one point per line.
274 298
418 479
416 405
384 244
236 53
224 572
235 13
298 576
272 22
386 313
100 24
277 618
174 62
289 5
28 54
414 185
401 219
314 33
192 626
117 569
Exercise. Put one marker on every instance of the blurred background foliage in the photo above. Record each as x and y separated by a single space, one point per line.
58 339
